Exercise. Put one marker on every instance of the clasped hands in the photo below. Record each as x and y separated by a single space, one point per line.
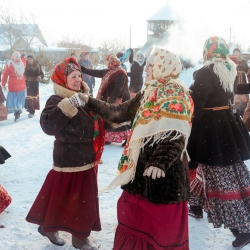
154 172
79 99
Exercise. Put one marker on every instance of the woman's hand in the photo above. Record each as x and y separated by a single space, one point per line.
154 171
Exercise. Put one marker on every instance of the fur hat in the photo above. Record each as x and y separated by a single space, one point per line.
83 54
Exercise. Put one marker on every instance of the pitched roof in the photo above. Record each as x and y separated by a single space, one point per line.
166 13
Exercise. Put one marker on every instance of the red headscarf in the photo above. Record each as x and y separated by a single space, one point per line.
63 69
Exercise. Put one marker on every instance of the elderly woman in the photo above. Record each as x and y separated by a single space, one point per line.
113 89
152 210
33 75
68 198
219 143
13 73
136 70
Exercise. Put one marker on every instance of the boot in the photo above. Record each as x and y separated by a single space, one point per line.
31 115
195 211
52 236
242 239
83 244
124 143
234 231
17 116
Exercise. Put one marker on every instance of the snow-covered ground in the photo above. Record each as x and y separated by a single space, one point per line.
23 174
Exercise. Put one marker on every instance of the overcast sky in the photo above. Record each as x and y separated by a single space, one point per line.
97 20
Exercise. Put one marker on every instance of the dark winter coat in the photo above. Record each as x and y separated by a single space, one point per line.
242 66
136 79
90 80
73 146
164 155
118 88
218 138
33 71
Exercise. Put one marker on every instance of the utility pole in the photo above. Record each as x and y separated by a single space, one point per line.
130 37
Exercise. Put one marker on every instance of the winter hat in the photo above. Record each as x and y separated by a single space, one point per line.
119 54
85 53
139 57
62 70
113 61
236 49
31 56
150 59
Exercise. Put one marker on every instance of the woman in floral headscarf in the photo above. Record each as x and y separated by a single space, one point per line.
113 89
68 198
13 72
152 210
219 143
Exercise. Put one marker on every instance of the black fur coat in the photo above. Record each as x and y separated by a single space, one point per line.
174 187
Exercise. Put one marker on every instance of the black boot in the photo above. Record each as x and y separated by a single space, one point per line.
242 239
17 116
124 143
196 212
234 231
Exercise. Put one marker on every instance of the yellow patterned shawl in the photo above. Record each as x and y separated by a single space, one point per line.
166 107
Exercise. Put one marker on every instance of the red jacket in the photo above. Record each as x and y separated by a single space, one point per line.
14 84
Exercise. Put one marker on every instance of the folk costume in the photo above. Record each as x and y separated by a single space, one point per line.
153 213
78 146
219 143
135 74
5 198
33 75
113 89
16 84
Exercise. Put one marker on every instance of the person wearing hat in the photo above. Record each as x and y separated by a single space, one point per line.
152 210
68 198
14 75
113 89
219 143
85 62
33 75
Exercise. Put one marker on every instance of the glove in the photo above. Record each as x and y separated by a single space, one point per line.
83 97
156 172
131 50
76 101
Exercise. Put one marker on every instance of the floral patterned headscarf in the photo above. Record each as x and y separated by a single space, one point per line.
18 65
112 61
166 107
216 51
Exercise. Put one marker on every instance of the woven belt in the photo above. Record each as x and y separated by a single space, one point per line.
75 169
217 108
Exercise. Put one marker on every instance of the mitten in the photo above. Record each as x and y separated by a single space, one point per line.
84 97
76 101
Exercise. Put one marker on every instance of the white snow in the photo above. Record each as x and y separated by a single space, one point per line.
23 175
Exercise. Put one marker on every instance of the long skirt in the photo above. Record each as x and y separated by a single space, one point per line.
5 199
143 225
68 202
15 101
224 192
32 99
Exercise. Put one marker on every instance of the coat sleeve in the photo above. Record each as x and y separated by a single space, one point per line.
119 83
115 113
5 75
200 90
166 153
135 69
54 116
94 72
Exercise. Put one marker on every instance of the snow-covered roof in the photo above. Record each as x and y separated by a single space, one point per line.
166 13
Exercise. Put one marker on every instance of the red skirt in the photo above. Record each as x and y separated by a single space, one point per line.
143 225
68 202
5 199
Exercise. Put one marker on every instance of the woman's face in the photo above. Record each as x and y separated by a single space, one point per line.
30 61
74 80
148 69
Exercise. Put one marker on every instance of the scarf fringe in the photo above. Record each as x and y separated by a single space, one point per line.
226 77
